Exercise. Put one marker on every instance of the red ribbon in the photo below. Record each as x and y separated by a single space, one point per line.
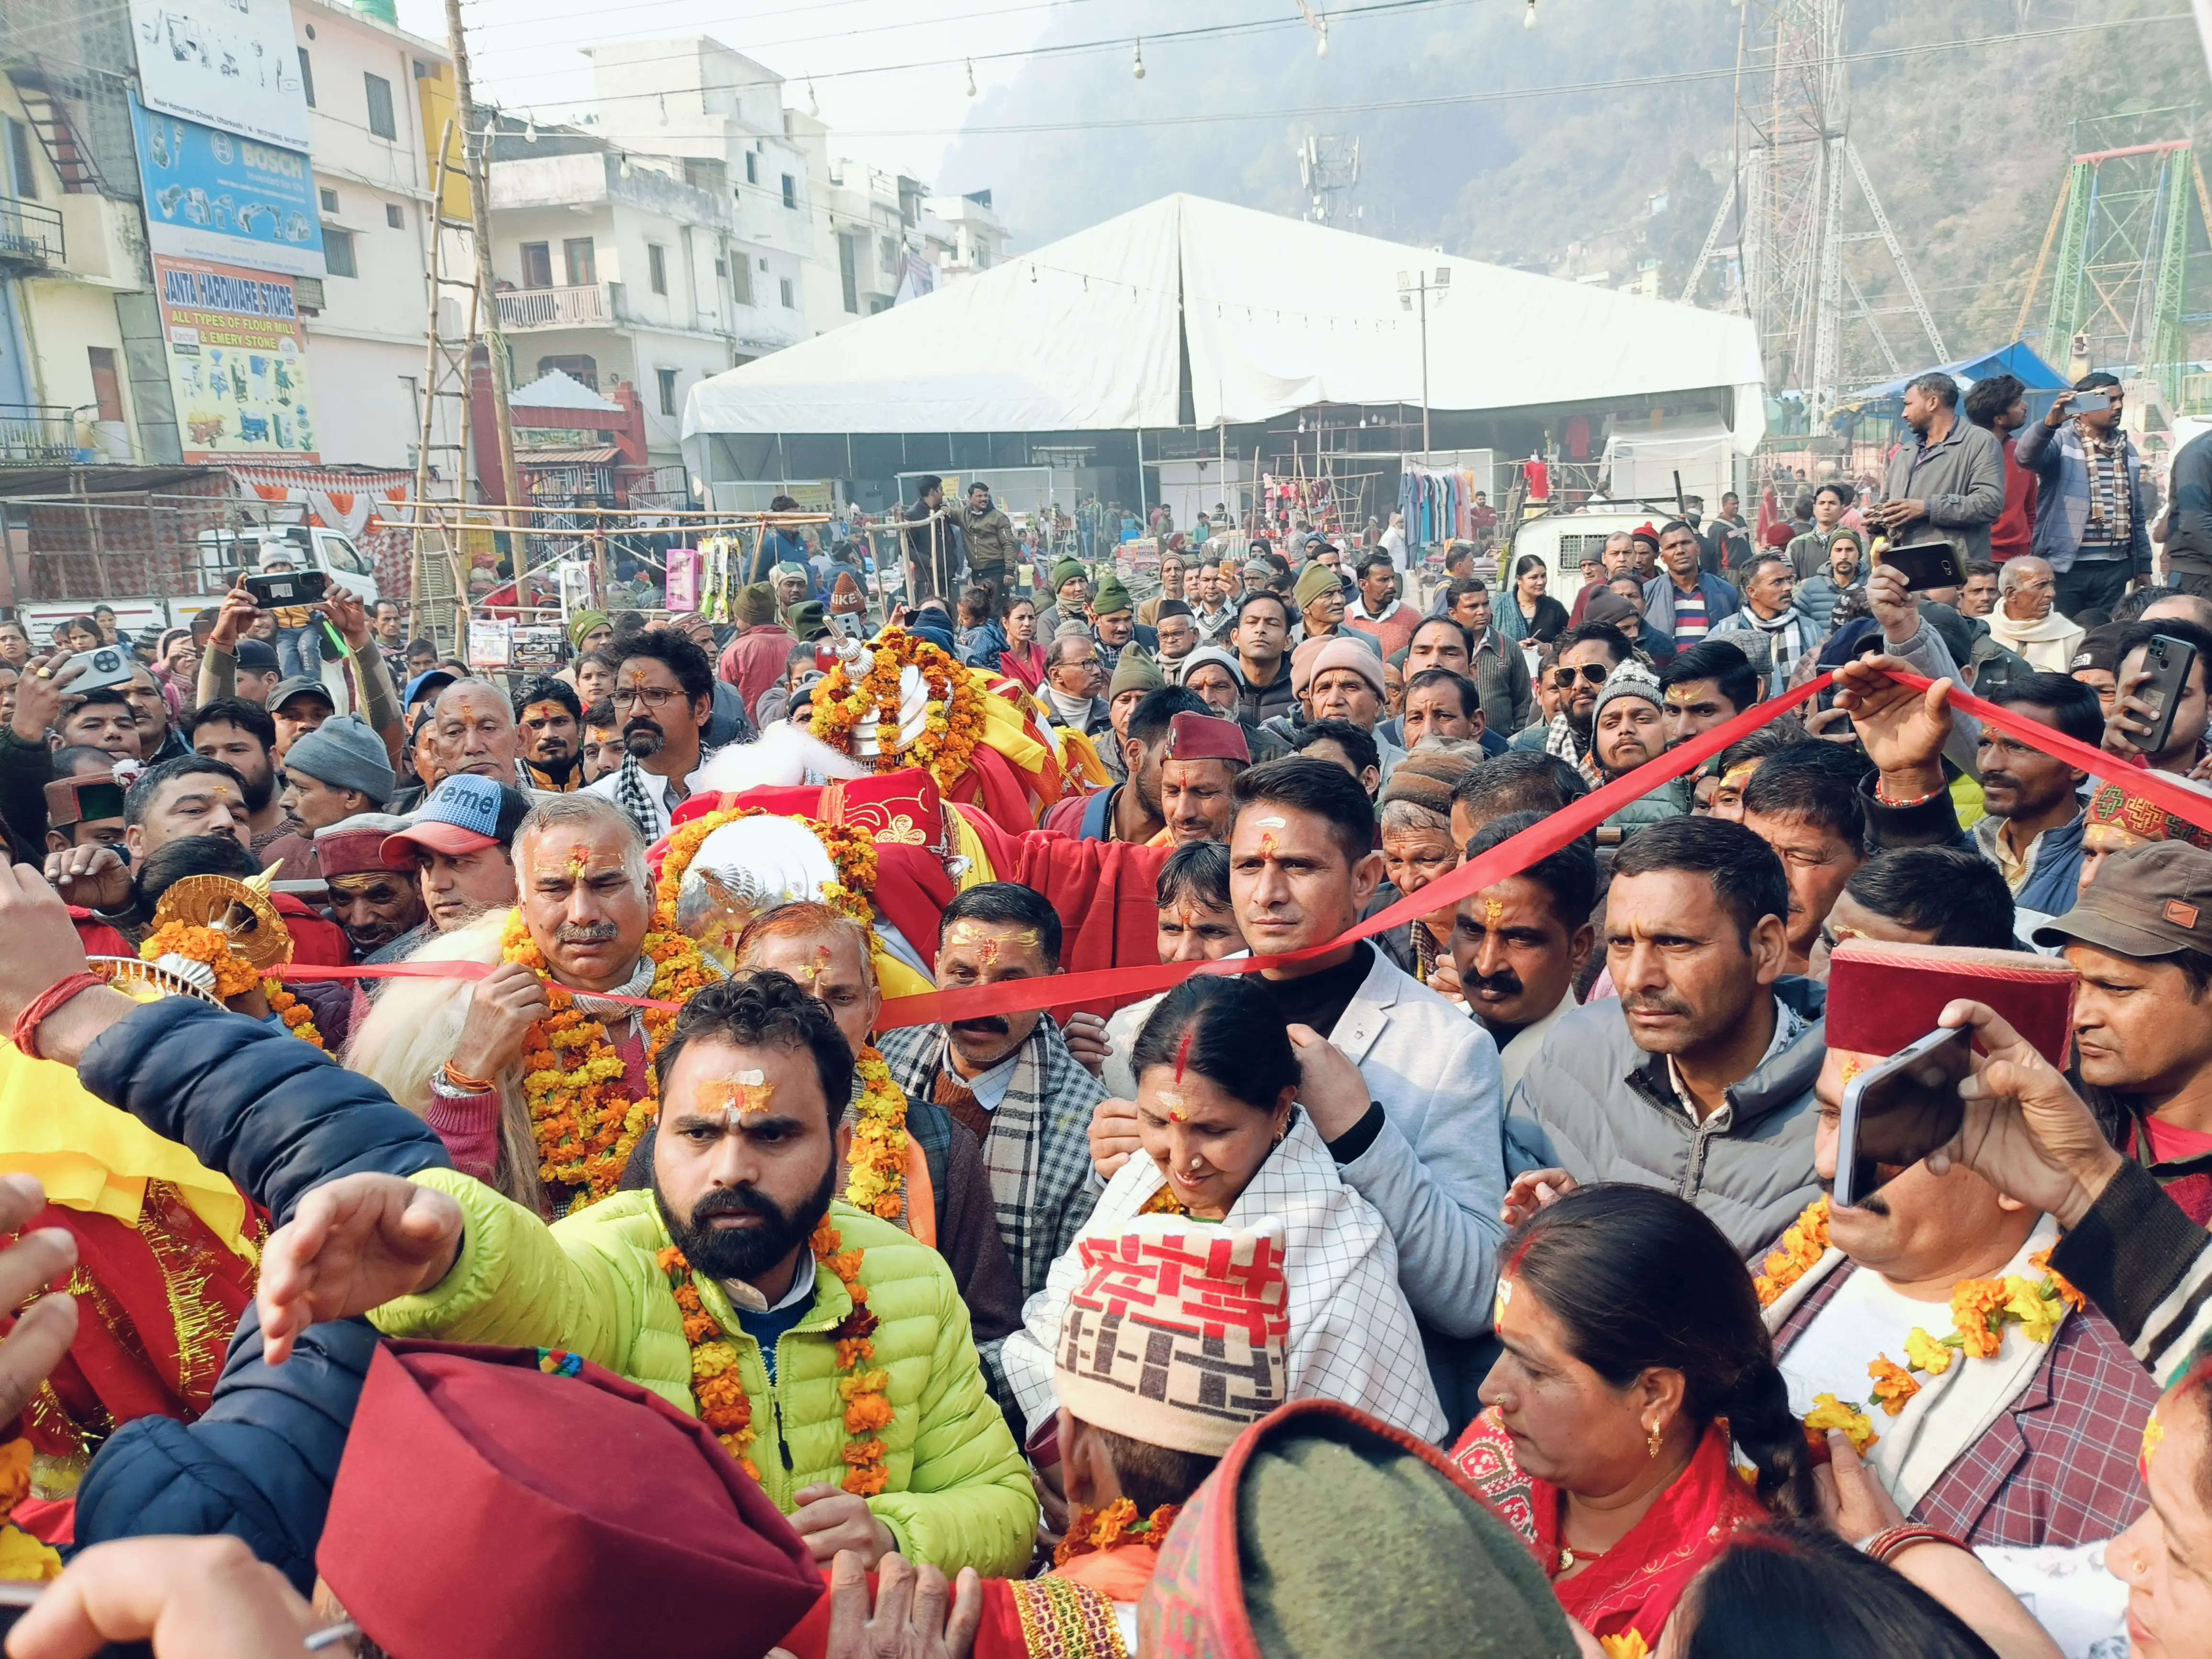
1507 860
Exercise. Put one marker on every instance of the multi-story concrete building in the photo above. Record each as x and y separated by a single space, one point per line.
611 268
368 319
82 371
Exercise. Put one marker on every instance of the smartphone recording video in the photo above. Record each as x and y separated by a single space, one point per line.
1898 1111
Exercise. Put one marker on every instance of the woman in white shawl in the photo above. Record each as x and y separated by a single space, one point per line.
1225 1140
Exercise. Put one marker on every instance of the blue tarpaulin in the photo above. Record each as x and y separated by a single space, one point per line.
1886 401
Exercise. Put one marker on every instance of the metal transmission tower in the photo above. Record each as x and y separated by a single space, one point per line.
2121 231
1328 168
1801 199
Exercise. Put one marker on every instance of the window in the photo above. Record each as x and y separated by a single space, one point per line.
329 199
848 277
741 280
709 175
337 252
308 292
656 267
23 179
667 379
395 215
790 191
380 106
106 385
537 265
583 370
753 168
783 288
576 254
341 553
889 252
308 76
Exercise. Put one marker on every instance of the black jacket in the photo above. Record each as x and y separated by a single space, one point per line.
278 1117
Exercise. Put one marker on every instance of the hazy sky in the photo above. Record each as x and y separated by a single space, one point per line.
526 55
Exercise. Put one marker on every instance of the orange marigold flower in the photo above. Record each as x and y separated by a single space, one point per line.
1893 1384
868 1413
698 1327
2041 1262
861 1452
889 1206
1977 1311
853 1351
867 1483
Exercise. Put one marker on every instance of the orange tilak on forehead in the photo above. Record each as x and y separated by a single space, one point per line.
1852 1066
811 972
746 1094
973 935
1493 911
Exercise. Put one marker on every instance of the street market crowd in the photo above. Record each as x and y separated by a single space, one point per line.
831 1133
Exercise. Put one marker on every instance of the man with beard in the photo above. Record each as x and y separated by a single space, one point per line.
1586 657
1698 1077
945 1202
379 908
550 718
1625 733
665 694
458 843
1521 944
1008 1078
1132 812
706 1292
243 737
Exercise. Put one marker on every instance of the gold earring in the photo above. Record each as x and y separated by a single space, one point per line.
1652 1443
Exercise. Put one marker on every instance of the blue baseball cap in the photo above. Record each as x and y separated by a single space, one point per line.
464 814
427 684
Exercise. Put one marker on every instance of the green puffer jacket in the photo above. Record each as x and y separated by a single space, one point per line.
959 1493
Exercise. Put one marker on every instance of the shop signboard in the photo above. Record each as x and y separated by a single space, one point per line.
238 361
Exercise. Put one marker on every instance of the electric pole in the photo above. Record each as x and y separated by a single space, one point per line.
476 149
1413 290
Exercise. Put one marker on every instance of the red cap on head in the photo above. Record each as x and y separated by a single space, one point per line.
490 1499
1207 737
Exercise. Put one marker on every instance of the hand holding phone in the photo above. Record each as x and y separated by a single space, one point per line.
1898 1111
2142 716
1926 565
287 587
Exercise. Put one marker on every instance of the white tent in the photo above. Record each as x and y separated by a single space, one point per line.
1088 333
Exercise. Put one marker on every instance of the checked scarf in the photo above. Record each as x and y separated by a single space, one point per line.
1038 1152
2105 458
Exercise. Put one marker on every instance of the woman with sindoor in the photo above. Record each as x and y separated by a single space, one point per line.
1631 1333
1224 1139
1530 613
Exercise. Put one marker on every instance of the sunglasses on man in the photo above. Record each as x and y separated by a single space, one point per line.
1591 673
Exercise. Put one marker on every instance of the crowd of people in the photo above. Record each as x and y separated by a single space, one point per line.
743 1110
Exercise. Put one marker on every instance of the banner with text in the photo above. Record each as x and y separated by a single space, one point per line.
238 361
230 63
213 195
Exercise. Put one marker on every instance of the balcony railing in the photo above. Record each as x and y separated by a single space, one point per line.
581 307
30 234
37 434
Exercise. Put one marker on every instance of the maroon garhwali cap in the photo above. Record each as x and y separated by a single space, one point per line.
514 1500
1207 737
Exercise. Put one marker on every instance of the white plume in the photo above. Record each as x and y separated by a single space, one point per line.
782 758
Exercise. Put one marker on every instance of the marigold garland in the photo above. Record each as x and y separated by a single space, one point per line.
1802 1245
875 1166
716 1388
572 1076
867 1406
1980 1310
234 977
1114 1525
1629 1645
295 1014
950 734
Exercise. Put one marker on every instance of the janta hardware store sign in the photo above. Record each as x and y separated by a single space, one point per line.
238 361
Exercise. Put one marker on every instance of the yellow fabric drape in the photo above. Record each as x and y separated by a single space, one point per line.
90 1157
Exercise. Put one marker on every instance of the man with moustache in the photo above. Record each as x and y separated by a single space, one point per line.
1698 1077
379 908
1521 944
1586 657
665 696
549 719
1009 1078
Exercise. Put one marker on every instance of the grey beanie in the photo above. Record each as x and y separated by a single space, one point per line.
1213 653
344 754
1631 680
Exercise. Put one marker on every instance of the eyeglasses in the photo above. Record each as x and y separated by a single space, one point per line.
653 696
1589 673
